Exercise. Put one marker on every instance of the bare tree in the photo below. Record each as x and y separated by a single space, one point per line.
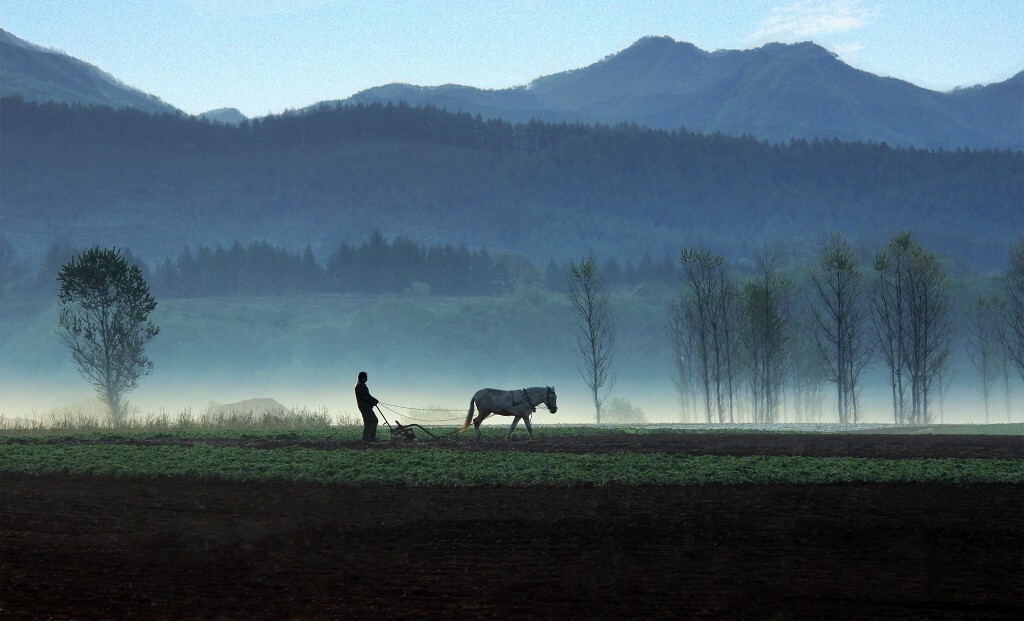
596 324
810 374
839 322
696 308
929 344
104 320
984 342
1006 371
729 320
1015 298
682 353
912 306
709 305
765 334
889 317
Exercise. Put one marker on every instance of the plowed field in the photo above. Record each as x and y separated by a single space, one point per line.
165 548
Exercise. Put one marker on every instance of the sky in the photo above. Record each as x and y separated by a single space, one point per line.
266 56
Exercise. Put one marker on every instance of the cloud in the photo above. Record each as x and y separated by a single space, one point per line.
813 18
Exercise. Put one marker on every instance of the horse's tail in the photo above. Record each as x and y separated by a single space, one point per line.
469 416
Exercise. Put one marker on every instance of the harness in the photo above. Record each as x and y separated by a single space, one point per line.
526 397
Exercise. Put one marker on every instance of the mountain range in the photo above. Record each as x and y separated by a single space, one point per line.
776 92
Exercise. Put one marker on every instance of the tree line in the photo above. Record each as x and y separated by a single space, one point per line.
376 266
740 347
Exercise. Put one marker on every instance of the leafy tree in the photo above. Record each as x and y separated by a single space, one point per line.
596 324
104 320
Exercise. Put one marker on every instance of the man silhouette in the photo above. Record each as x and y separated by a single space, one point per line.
366 403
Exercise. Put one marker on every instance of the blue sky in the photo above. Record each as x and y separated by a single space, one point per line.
264 56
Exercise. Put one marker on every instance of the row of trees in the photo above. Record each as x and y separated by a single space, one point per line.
376 266
761 336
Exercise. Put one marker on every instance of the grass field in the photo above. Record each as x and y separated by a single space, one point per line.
210 451
447 467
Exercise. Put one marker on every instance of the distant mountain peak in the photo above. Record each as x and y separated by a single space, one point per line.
660 45
228 116
654 41
802 49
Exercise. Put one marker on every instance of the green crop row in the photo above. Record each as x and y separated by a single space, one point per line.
444 467
341 433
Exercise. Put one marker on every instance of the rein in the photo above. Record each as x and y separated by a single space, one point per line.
421 420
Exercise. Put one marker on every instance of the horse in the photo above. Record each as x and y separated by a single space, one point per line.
518 403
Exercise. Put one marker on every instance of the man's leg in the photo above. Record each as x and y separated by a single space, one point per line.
369 426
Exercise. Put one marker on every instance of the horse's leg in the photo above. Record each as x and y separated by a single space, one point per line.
515 421
529 427
476 423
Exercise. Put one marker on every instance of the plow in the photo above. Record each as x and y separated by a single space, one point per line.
405 433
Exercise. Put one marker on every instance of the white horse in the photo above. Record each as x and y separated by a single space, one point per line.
518 403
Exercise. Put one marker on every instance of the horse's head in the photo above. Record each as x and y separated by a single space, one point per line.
551 401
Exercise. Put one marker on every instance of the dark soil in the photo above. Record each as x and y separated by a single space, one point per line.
90 547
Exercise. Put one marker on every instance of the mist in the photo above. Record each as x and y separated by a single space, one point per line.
420 353
424 398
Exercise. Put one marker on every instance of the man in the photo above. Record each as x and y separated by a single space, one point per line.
366 403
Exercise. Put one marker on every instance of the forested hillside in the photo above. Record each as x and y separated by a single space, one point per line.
39 74
84 175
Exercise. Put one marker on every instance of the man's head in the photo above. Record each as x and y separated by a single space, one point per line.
362 376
